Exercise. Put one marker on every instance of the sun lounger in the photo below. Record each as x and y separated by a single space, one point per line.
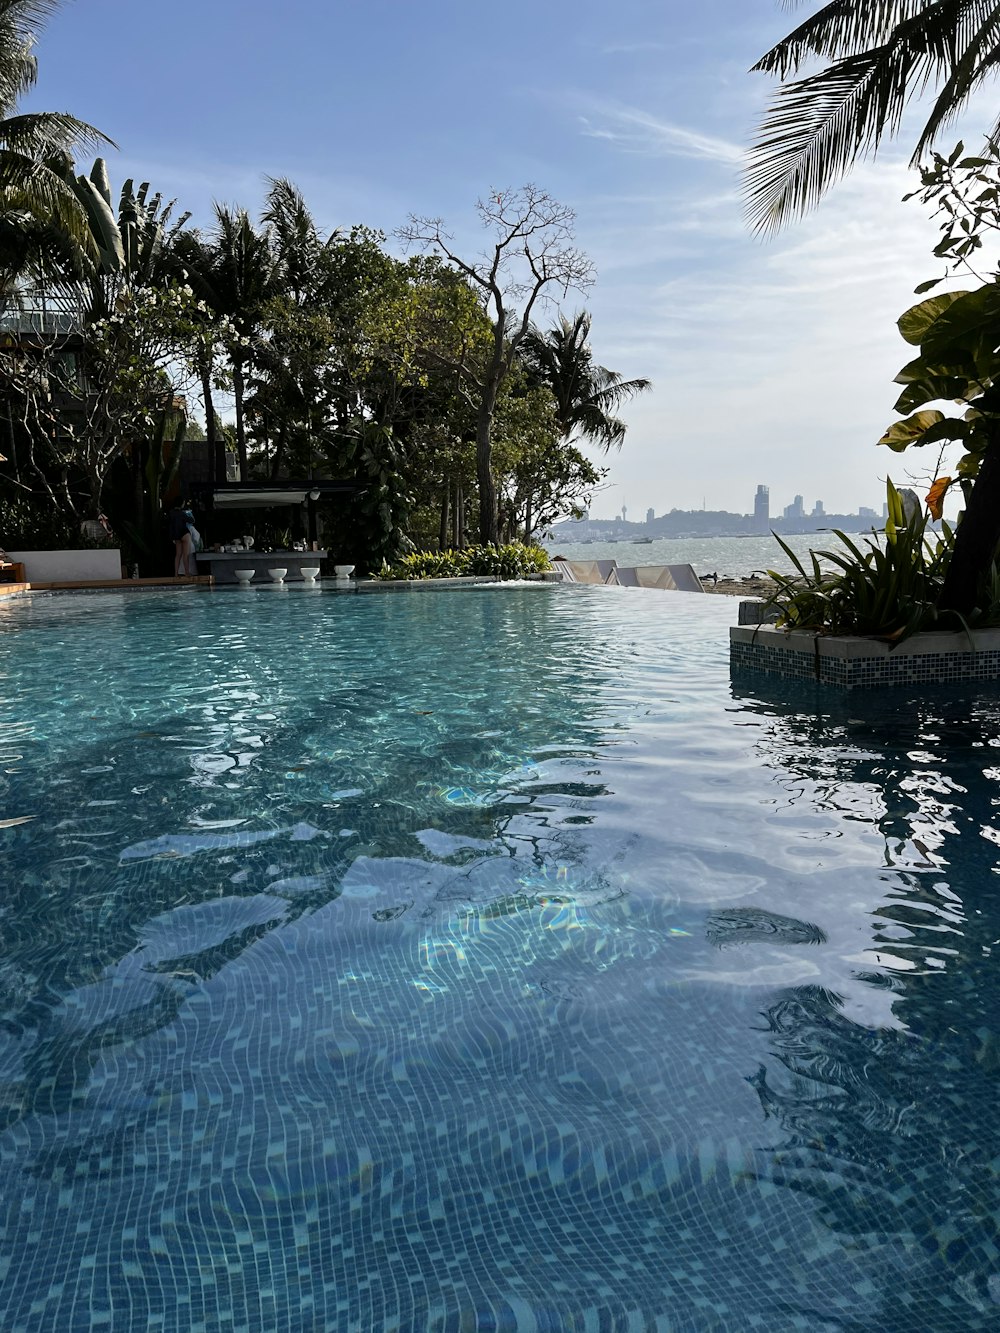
586 571
673 578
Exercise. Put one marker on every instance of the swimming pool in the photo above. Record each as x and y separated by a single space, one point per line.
486 959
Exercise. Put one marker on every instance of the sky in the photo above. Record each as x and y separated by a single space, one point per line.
772 360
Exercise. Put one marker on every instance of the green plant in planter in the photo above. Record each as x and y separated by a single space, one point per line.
422 565
890 591
513 561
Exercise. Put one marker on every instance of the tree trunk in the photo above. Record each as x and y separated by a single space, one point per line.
445 515
239 388
488 515
527 519
977 536
95 483
216 440
279 452
458 524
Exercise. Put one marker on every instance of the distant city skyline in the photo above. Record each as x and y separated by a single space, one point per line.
759 508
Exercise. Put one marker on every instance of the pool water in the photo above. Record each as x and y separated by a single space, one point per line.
486 960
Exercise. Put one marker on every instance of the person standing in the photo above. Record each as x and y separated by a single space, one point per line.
181 522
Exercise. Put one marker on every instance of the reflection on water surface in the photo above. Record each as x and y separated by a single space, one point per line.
485 960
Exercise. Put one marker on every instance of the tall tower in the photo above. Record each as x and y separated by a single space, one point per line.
762 509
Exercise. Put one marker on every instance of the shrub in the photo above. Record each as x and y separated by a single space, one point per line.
513 561
26 524
889 591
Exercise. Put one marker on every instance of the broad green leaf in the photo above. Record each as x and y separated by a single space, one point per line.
969 320
99 179
951 428
920 368
901 434
933 390
915 323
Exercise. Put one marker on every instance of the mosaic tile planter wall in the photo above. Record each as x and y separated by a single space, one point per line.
860 663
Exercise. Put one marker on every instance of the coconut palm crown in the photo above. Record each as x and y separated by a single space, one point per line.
34 146
878 54
586 394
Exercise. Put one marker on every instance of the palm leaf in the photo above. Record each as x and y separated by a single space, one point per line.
843 27
881 53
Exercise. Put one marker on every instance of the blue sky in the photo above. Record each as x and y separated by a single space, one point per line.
772 361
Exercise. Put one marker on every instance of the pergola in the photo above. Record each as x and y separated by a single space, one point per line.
269 494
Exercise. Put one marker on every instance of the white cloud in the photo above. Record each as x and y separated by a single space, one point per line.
771 363
636 131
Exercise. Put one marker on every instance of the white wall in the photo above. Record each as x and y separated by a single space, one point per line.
69 566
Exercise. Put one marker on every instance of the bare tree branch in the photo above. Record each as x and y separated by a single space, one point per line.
532 251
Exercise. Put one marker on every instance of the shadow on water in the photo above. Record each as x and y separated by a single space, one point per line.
892 1130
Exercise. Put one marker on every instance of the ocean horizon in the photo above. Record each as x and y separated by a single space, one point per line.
732 557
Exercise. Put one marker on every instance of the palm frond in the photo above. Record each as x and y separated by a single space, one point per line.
19 23
817 127
841 28
976 62
882 52
42 133
30 185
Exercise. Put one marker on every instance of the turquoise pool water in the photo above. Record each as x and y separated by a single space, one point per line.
486 960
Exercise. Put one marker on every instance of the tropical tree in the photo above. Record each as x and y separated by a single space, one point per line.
586 395
139 363
531 255
878 54
190 258
242 281
541 474
33 189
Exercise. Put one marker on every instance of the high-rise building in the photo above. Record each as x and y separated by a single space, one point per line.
818 510
795 509
650 515
762 509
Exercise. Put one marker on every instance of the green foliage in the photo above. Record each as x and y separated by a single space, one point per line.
873 58
30 525
889 591
513 561
423 565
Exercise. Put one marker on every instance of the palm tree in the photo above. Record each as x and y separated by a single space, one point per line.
243 279
879 53
586 394
34 146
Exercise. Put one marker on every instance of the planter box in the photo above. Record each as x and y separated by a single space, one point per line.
104 564
860 663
